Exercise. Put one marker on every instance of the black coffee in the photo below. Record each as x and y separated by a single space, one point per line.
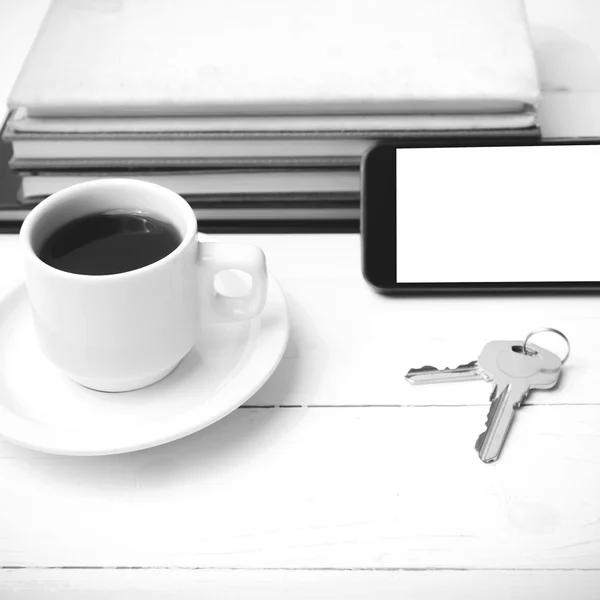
108 243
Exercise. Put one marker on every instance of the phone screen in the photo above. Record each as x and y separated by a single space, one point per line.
498 214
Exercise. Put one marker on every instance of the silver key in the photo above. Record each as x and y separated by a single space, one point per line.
428 374
514 374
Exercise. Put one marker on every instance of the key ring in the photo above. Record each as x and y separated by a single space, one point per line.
547 330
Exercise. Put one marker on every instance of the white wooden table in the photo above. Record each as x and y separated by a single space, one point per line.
337 479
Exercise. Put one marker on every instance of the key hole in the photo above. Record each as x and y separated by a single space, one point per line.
521 350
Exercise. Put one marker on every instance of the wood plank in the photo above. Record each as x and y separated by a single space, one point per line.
318 488
351 346
549 488
106 584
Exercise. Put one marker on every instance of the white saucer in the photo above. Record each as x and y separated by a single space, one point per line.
40 408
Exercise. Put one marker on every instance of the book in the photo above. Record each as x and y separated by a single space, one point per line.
265 126
260 184
12 210
201 150
150 57
226 213
101 144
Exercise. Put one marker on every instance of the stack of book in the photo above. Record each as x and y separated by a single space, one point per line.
259 112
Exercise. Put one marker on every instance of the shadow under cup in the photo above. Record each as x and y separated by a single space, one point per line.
121 331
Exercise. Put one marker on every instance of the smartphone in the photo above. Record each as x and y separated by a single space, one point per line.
481 218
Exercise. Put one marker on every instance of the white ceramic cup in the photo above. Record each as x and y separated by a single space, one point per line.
128 330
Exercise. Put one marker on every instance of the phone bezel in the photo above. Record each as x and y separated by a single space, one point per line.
378 226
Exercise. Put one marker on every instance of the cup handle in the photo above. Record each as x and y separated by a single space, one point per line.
214 257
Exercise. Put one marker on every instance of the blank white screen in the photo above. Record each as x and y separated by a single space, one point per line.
508 214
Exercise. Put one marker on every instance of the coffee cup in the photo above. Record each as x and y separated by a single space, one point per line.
121 331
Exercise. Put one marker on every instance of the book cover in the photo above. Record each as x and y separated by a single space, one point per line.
140 57
22 125
66 143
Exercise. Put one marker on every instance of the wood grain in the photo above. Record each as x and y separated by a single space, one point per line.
318 488
364 487
351 347
113 584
